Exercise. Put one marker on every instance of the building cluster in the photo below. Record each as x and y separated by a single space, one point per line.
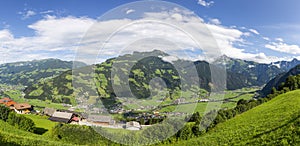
20 108
69 117
87 119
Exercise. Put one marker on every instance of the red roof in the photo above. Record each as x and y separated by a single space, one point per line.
10 103
4 100
7 101
76 119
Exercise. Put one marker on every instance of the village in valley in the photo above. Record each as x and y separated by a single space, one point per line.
116 116
70 117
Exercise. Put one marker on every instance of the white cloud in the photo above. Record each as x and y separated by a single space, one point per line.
170 58
247 34
215 21
129 11
254 31
5 25
58 37
279 39
27 14
266 38
5 35
60 31
283 47
205 4
54 38
47 12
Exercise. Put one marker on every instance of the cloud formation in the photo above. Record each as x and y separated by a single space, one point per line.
215 21
254 31
205 3
283 47
27 14
59 37
130 11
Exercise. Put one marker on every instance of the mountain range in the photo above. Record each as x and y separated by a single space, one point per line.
278 80
240 73
53 79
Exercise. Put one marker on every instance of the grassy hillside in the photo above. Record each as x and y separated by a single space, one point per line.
10 135
274 122
42 124
30 72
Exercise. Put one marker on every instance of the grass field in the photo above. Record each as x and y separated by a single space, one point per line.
273 123
42 123
10 135
17 97
203 107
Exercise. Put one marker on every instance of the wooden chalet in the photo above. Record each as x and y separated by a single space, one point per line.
49 111
22 108
63 117
100 120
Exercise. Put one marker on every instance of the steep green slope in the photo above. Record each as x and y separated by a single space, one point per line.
272 123
10 135
58 89
30 72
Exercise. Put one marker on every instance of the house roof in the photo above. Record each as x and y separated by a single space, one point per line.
49 111
133 124
55 119
63 115
4 100
20 106
7 101
10 103
75 119
99 118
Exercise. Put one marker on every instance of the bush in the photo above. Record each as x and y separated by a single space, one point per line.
4 111
76 134
21 122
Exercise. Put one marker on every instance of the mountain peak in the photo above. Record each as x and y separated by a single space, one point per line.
154 52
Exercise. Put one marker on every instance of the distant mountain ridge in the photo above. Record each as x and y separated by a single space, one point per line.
278 80
286 65
30 72
257 74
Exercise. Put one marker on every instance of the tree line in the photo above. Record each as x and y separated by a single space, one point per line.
19 121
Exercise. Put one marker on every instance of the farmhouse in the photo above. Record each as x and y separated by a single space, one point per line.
133 125
8 102
63 117
179 101
22 108
203 100
100 120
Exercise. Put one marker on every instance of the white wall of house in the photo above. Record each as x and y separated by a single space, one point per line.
18 111
132 128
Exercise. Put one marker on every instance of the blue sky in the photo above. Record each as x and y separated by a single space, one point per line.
260 30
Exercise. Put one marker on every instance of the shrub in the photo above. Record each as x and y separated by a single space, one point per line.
4 111
21 122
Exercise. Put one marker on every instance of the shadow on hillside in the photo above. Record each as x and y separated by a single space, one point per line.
281 126
40 131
